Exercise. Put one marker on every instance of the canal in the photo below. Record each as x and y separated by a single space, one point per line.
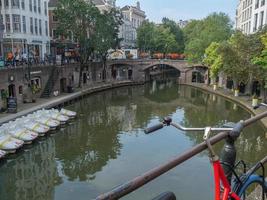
106 146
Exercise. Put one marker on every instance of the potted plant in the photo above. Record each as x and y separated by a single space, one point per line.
236 92
255 100
215 86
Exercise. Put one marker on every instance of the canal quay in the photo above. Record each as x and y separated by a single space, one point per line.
106 144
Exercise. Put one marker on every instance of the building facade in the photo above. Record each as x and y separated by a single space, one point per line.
104 5
182 23
26 27
127 34
251 15
133 17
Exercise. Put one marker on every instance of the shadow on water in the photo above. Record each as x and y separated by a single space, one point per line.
106 146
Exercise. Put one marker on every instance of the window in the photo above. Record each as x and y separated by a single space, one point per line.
39 6
36 26
31 25
15 3
40 27
8 26
6 2
262 2
54 18
255 22
24 24
23 4
30 5
257 4
20 90
16 23
261 19
46 28
45 8
34 6
54 34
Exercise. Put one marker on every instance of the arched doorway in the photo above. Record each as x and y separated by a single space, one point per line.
63 85
197 77
11 90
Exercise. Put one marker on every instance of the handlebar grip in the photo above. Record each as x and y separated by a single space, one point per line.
154 128
166 196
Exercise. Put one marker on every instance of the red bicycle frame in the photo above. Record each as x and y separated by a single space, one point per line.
220 179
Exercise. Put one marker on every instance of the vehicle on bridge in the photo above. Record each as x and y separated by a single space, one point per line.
172 56
123 54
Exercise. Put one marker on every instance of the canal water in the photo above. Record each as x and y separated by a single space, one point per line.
106 146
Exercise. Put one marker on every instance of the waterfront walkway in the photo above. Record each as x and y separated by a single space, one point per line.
24 109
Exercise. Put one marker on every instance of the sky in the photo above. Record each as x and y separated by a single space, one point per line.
182 9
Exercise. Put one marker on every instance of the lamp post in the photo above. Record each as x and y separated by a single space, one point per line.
2 28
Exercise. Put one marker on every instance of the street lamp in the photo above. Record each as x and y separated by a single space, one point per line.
2 28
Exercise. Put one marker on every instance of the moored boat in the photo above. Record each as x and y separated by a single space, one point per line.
2 154
17 131
8 143
69 113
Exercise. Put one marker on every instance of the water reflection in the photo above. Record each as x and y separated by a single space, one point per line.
106 145
32 175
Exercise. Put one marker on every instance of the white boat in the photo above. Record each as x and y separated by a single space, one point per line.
2 154
69 113
8 143
34 126
56 115
45 120
19 132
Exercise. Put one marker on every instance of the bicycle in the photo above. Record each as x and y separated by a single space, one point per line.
223 170
231 188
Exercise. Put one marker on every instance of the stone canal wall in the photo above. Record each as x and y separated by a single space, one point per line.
54 80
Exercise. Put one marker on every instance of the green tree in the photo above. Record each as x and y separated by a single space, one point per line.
164 40
213 59
232 64
262 62
145 36
177 32
80 18
199 34
106 35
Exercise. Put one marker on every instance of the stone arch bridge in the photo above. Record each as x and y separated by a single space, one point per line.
140 68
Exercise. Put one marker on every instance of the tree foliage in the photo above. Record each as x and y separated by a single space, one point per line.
95 32
80 18
164 41
213 59
145 36
261 60
199 34
177 32
164 38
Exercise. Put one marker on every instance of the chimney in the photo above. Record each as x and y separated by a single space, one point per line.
138 5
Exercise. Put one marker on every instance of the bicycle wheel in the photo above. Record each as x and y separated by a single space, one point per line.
253 189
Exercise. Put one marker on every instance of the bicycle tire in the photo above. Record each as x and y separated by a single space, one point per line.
254 183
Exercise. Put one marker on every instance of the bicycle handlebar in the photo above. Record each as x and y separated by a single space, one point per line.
180 127
168 122
154 128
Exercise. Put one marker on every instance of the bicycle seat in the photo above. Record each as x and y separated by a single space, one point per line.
166 196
